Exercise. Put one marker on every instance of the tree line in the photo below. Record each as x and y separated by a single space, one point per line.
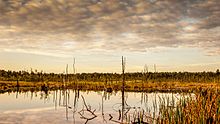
200 77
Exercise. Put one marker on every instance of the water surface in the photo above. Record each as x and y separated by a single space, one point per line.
69 107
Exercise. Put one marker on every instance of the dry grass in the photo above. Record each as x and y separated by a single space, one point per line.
116 86
202 108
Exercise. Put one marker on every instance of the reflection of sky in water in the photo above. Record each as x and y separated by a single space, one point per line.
31 106
27 100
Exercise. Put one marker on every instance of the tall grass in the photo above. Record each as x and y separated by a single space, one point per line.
201 108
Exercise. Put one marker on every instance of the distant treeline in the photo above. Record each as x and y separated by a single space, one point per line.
201 77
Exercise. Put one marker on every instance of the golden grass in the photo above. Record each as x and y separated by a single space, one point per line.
203 108
130 86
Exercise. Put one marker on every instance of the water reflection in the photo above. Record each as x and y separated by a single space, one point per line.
75 106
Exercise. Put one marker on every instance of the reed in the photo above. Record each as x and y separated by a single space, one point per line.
203 107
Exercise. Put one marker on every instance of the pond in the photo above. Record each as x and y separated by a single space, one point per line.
75 106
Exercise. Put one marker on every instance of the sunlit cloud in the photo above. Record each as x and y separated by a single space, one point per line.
126 25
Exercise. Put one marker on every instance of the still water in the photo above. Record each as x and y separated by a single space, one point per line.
74 106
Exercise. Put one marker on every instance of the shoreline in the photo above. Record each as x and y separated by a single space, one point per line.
168 87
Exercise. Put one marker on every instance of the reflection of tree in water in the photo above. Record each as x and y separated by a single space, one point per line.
123 112
75 103
87 113
124 116
79 108
87 109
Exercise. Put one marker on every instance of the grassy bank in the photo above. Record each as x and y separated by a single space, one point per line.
113 86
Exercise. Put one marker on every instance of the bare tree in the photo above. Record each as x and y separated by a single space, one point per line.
123 86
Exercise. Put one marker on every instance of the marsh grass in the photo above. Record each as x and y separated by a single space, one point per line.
139 86
203 107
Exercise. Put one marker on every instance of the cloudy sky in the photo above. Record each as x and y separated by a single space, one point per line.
176 35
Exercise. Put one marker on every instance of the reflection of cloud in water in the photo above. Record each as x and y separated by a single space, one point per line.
34 116
104 103
28 110
44 116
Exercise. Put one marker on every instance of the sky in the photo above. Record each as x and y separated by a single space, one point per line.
175 35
